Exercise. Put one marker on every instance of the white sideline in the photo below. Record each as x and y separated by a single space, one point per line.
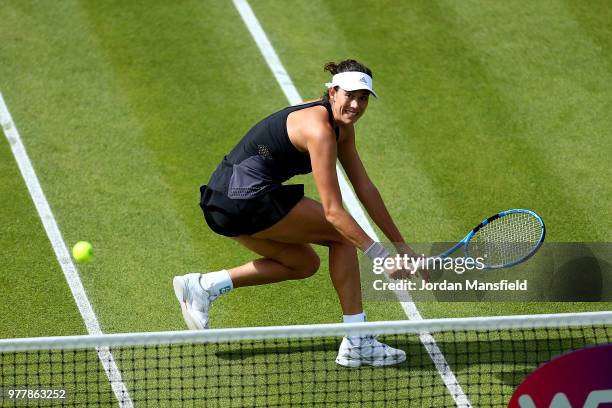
61 252
350 199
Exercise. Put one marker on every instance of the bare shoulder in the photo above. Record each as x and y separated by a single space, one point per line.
309 124
311 114
317 117
316 123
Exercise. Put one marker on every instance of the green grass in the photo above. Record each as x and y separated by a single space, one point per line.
480 109
472 99
34 291
125 109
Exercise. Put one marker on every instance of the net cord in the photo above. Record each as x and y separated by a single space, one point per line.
308 331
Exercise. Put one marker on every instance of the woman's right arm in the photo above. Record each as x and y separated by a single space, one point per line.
322 148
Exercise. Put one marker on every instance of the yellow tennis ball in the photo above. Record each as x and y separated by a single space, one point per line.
82 251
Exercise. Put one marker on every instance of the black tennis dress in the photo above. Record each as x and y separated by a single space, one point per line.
245 193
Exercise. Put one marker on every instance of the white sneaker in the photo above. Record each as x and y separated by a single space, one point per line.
194 299
358 351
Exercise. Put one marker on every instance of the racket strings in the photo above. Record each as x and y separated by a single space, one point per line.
507 239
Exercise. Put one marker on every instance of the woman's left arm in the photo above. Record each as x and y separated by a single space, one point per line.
367 192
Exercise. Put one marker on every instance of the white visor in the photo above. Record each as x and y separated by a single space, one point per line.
352 81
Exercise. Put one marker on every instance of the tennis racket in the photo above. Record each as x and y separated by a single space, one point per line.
503 240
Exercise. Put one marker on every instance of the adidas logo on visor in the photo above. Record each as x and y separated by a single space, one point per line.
363 79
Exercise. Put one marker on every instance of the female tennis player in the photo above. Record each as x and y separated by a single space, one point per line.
246 200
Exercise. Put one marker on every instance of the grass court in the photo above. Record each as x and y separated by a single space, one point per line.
126 108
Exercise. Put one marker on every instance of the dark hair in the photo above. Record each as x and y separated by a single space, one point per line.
349 65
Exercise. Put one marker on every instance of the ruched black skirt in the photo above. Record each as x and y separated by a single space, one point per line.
233 217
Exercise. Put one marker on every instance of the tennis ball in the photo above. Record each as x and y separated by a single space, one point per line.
82 251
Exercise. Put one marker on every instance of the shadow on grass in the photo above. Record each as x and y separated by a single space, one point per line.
500 357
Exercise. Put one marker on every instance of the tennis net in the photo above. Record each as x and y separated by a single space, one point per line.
450 362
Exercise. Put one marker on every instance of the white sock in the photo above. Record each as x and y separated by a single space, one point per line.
356 318
217 283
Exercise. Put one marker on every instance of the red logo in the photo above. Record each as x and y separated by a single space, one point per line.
581 378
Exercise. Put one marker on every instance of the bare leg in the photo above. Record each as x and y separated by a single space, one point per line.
306 223
282 261
344 272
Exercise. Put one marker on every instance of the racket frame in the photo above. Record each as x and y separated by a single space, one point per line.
465 241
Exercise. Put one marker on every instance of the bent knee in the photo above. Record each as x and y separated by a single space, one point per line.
309 264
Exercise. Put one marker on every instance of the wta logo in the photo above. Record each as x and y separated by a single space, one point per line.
579 379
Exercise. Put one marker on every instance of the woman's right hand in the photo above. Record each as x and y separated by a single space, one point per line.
396 271
408 271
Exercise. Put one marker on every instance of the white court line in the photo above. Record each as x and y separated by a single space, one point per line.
61 252
350 199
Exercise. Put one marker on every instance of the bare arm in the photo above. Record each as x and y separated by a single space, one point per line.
367 192
322 147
